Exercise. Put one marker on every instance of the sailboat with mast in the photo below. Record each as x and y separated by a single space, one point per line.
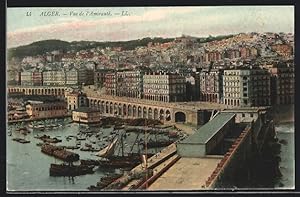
108 151
112 158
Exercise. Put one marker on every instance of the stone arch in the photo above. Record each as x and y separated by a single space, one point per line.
144 112
180 117
161 114
134 111
168 115
129 110
102 107
139 112
99 105
120 109
115 108
124 110
155 114
111 108
150 113
107 107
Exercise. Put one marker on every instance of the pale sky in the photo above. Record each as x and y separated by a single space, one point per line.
165 22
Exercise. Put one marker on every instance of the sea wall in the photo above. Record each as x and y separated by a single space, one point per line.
283 113
250 167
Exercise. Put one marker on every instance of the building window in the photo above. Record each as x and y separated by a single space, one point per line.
243 115
251 115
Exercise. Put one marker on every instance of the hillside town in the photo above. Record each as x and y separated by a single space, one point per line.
184 114
247 69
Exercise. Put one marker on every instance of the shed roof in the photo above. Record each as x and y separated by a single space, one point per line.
207 131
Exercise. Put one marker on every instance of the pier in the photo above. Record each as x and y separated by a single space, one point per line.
179 167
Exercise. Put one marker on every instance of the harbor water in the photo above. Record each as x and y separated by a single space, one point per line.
28 168
286 135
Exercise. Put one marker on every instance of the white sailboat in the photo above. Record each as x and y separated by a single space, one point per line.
108 150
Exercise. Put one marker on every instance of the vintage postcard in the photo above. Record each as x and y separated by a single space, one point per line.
174 98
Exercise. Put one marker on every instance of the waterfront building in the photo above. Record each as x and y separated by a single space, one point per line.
211 86
46 109
31 78
282 84
110 84
26 78
246 87
54 78
99 77
205 140
89 77
130 83
37 78
79 76
125 83
86 115
166 87
72 77
75 99
193 87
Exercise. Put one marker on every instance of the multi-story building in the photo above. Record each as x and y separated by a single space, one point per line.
125 83
31 78
72 77
86 115
245 52
41 110
130 83
99 77
110 83
37 78
79 76
193 87
76 99
282 85
232 53
89 79
166 87
211 86
26 78
246 87
54 77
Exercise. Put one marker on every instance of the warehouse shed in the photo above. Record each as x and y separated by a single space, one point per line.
204 140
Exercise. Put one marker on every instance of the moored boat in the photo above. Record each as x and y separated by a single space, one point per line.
70 170
20 140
